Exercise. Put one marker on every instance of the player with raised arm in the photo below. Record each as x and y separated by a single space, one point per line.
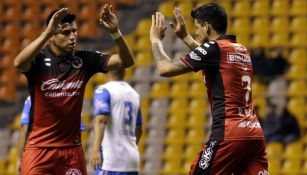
236 144
57 73
118 127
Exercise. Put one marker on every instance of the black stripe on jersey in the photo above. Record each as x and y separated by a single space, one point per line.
218 105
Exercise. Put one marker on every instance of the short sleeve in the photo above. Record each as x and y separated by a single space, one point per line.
102 102
203 57
97 61
25 116
139 120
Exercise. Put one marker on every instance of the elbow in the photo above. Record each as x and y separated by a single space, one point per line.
18 65
128 64
164 72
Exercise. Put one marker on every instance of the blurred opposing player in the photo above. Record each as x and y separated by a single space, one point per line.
118 127
57 75
236 144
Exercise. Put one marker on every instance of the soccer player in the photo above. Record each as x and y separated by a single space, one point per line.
118 127
236 143
57 73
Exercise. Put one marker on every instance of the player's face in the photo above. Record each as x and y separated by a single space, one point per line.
201 31
66 40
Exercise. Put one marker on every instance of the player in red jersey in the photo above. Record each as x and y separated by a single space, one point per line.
57 73
236 143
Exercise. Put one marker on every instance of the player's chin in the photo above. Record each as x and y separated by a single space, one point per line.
70 48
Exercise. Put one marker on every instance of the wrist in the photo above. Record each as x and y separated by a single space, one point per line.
46 35
155 40
187 38
117 34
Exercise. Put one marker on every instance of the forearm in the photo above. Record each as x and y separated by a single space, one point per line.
125 53
24 59
166 66
161 58
190 42
98 134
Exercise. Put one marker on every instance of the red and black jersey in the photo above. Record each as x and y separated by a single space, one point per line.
56 86
228 72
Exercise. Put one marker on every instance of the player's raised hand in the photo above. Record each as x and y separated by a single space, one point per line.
157 30
54 27
178 25
108 19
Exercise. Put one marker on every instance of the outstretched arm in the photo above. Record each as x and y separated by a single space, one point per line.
166 66
99 127
25 58
180 30
125 57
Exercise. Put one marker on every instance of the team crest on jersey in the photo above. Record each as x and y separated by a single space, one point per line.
77 63
73 171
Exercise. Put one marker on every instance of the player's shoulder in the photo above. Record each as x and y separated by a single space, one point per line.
104 87
207 46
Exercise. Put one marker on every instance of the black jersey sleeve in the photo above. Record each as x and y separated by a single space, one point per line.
96 61
205 56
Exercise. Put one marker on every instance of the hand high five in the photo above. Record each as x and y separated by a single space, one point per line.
179 26
108 19
54 27
157 30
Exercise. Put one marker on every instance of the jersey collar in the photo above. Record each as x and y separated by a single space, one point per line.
232 38
67 57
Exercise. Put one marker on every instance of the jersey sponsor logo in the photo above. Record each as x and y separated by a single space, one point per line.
201 50
77 63
238 58
73 171
55 84
249 124
194 56
207 156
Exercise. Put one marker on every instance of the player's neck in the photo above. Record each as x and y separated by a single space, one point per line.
214 36
57 51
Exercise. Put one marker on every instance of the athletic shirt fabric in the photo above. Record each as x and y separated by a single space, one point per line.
56 86
121 103
227 70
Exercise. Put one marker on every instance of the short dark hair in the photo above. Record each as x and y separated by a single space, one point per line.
212 13
70 17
